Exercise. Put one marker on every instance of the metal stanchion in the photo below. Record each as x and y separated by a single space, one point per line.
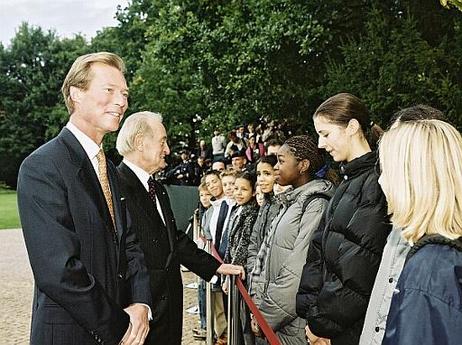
236 317
196 225
233 312
209 302
230 315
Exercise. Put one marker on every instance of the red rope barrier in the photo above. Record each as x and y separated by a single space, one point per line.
266 329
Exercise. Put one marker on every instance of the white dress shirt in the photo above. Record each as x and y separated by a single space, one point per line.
143 176
90 147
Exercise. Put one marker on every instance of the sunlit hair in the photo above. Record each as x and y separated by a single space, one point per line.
202 187
135 124
228 172
422 178
80 73
343 107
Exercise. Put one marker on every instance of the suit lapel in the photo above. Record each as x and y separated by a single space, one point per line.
142 200
165 207
86 174
112 175
138 194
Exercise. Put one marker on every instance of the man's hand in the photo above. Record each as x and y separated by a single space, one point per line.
321 341
315 340
225 286
139 325
234 270
255 327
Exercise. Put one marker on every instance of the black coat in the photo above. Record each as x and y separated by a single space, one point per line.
165 248
344 256
82 268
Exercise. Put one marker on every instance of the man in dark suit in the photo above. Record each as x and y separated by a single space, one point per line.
142 141
91 282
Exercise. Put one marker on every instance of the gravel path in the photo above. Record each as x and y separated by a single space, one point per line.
16 287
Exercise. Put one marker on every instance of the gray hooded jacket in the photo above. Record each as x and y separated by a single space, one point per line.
289 239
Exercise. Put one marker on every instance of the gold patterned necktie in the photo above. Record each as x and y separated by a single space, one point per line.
104 181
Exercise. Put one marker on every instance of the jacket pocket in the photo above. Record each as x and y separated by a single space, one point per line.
54 314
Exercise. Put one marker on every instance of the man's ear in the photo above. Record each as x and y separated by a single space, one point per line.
75 93
138 142
353 127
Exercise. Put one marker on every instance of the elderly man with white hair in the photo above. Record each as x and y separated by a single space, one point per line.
142 141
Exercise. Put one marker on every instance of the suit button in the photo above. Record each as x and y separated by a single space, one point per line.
390 280
377 329
163 298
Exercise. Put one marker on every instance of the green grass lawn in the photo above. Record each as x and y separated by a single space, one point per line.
9 217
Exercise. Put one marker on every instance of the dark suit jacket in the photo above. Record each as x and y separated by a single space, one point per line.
85 272
165 248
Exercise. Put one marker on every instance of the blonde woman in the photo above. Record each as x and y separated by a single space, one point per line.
422 181
394 252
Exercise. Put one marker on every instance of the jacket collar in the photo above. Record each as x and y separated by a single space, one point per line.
316 186
434 239
358 165
89 180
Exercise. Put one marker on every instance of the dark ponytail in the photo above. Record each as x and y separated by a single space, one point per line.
342 108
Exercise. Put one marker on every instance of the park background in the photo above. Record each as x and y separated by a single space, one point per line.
207 64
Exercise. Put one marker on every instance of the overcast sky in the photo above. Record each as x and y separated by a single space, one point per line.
67 17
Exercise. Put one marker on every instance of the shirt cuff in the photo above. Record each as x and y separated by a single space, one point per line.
149 311
214 280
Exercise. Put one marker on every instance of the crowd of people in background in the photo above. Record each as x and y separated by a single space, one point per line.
242 147
324 248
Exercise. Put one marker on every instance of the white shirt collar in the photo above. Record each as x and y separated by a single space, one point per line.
90 147
142 175
230 202
217 202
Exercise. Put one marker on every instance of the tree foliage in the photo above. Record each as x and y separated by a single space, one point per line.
205 64
392 66
455 3
31 110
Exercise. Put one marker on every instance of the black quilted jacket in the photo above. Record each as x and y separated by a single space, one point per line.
344 256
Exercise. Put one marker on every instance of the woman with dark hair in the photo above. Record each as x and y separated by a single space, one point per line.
242 219
238 232
344 256
285 246
266 178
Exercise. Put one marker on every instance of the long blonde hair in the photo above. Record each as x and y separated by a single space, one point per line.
422 178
